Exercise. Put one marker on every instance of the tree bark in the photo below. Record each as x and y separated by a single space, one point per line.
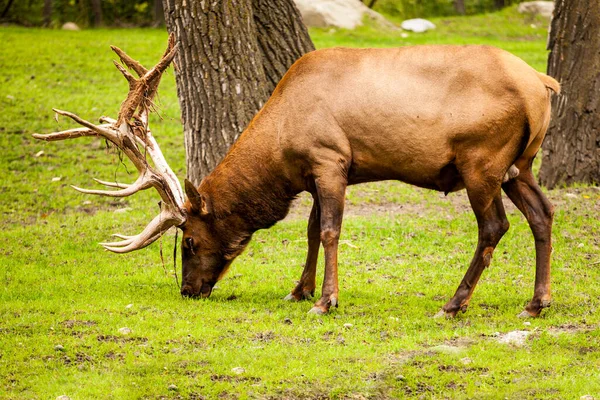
6 9
97 13
499 4
281 35
47 13
459 7
571 150
230 58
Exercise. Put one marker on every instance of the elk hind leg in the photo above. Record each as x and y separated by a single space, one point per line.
525 193
492 224
305 289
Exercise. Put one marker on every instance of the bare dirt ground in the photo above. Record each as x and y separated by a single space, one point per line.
362 203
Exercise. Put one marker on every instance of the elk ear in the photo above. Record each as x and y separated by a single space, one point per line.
198 201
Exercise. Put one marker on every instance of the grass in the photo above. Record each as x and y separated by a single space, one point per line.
404 251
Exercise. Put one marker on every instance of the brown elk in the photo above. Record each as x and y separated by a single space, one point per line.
440 117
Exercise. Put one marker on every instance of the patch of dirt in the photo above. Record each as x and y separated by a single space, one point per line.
229 378
70 323
121 339
457 202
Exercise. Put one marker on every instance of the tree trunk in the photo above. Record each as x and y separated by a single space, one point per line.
47 12
281 35
499 4
459 7
6 9
571 151
97 13
158 13
229 60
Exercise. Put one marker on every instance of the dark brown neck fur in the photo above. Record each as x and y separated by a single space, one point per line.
249 185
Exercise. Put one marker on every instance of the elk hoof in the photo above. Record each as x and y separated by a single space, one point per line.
525 314
316 310
290 297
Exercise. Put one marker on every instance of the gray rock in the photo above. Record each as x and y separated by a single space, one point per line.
417 25
543 8
347 14
172 388
63 397
124 331
59 347
238 370
70 26
516 338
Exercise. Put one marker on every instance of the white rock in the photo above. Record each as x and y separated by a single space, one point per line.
543 8
70 26
39 153
417 25
587 397
56 178
238 370
63 397
348 326
516 338
123 210
347 14
124 331
10 97
466 361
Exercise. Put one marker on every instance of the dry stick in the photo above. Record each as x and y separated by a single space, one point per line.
175 260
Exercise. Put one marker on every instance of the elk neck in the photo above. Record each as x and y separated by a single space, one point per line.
250 185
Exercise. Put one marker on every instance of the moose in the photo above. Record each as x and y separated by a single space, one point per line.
445 118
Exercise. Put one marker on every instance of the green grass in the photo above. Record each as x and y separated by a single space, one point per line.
396 268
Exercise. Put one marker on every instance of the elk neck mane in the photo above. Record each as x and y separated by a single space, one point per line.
250 182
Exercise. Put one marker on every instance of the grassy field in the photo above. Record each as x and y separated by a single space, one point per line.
63 301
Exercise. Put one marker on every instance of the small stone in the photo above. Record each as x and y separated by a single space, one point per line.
444 348
39 153
124 331
404 35
129 306
400 378
287 321
86 203
527 323
571 195
516 338
10 97
123 210
172 388
238 370
466 361
59 347
587 397
348 326
63 397
580 245
56 178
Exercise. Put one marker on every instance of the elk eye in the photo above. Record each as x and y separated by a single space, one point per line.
190 243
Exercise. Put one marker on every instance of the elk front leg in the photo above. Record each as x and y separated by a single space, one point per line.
305 289
529 199
331 191
492 224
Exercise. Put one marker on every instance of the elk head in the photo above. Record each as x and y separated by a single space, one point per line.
203 260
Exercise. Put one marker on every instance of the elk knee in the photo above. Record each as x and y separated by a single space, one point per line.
329 235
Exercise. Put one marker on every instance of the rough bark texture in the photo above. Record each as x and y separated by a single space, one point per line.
281 35
231 56
571 151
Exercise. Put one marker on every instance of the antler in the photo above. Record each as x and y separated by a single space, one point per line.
130 133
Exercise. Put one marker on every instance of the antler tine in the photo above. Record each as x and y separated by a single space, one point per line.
112 184
160 224
135 140
142 183
130 62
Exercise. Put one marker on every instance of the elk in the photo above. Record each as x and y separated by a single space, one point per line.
445 118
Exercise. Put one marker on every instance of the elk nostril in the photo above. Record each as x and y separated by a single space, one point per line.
186 291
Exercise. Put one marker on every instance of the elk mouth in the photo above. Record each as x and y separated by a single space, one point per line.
204 291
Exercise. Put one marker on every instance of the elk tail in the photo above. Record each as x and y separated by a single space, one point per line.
550 82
